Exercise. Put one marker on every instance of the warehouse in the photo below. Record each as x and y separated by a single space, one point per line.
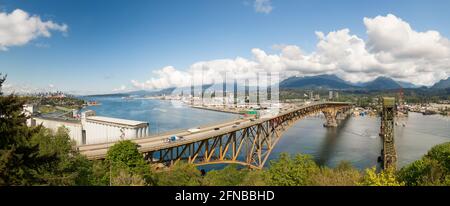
92 129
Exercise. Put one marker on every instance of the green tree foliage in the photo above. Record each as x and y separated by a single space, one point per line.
383 178
254 178
100 173
70 168
125 160
20 159
343 175
126 178
179 174
432 169
231 175
440 153
287 171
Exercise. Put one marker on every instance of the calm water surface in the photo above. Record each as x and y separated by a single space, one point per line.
355 140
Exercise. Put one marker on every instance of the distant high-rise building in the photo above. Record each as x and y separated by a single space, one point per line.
247 92
224 88
192 93
336 95
257 89
330 95
269 88
235 93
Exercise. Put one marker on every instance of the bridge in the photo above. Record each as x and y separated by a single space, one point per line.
248 142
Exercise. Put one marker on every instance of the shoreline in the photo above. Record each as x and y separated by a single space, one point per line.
214 109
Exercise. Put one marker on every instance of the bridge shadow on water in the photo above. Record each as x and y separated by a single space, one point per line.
328 146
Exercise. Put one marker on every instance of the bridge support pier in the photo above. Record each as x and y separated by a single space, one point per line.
389 153
331 117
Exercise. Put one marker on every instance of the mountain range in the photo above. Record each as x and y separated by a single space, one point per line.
317 82
326 81
443 84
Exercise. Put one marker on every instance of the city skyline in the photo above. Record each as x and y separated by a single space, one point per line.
88 47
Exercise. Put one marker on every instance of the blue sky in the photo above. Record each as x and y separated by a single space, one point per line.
108 43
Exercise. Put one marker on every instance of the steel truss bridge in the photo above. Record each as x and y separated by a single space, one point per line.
248 142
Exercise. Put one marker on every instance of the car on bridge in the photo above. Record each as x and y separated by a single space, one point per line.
173 138
193 130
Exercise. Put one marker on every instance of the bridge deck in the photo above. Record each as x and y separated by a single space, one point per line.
156 142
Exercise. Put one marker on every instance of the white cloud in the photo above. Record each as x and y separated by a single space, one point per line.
18 28
120 89
263 6
167 77
390 34
392 49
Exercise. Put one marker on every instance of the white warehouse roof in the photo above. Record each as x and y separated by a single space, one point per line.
110 120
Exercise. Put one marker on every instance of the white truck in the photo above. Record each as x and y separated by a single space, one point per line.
194 130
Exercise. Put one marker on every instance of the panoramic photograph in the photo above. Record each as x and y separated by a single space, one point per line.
224 93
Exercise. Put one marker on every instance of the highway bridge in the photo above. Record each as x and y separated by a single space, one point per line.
245 141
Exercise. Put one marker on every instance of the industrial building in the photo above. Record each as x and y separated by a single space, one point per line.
92 129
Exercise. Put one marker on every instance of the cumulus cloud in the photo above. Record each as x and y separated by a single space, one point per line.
390 34
18 28
263 6
120 89
393 48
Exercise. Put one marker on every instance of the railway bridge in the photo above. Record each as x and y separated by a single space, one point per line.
248 142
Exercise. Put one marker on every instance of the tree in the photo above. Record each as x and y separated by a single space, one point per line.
180 174
384 178
291 172
70 168
126 178
343 175
229 176
100 173
124 158
432 169
232 175
440 153
20 159
254 178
